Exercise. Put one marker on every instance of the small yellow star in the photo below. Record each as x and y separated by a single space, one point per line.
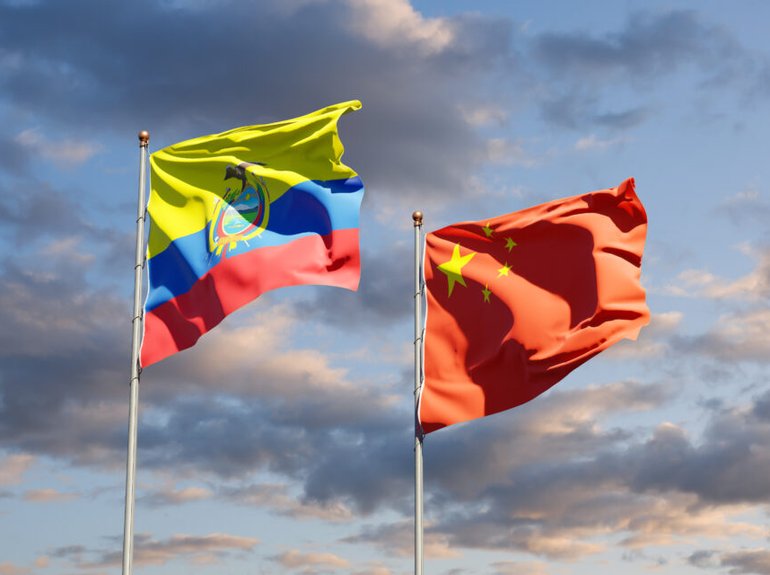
453 268
487 230
486 292
503 271
510 244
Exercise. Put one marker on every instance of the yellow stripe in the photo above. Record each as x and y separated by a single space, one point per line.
188 178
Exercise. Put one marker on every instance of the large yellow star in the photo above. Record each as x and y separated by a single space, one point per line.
453 268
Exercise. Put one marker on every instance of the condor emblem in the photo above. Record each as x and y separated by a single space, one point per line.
242 212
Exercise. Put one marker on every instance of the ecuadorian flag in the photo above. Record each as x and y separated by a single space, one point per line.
236 214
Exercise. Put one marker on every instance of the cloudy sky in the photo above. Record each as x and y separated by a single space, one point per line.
281 443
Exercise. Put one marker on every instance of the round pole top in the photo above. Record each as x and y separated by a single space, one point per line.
417 217
144 138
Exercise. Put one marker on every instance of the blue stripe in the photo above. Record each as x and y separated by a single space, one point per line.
308 208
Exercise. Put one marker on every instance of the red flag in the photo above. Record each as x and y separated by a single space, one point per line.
518 301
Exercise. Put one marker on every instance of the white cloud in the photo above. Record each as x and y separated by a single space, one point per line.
173 496
566 546
741 335
65 153
276 497
227 359
70 248
194 547
374 569
753 286
509 153
13 467
396 24
518 567
651 339
398 539
484 115
676 518
7 568
48 495
592 142
570 411
294 559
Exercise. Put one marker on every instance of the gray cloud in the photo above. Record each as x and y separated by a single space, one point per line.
724 469
384 296
578 65
702 558
61 350
68 551
64 394
742 562
546 480
398 539
33 210
576 107
278 499
747 562
182 72
14 159
733 340
349 445
621 120
550 503
649 45
210 548
371 475
745 207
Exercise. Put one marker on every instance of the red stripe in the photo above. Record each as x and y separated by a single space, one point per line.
331 260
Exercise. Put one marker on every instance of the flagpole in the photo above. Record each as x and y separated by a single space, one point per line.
136 324
418 286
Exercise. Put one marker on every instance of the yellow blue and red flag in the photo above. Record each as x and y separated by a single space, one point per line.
236 214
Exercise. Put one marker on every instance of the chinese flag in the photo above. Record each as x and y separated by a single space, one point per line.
518 301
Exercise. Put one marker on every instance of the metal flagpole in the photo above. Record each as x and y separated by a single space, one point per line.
418 287
136 324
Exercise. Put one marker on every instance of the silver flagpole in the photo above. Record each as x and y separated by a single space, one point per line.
418 286
136 324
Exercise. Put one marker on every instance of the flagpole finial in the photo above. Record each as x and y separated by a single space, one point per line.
417 217
144 138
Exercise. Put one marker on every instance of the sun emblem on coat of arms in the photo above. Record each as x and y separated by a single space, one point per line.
242 212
